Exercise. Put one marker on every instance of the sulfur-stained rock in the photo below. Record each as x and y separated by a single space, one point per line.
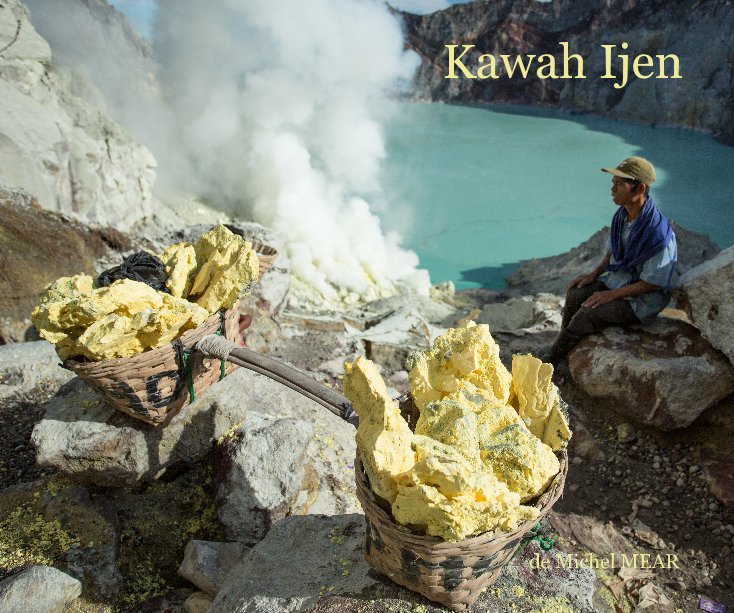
228 265
463 355
537 402
180 263
383 436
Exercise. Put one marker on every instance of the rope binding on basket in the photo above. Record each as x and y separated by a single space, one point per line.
536 534
184 359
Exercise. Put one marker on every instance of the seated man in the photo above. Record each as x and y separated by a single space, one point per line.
632 282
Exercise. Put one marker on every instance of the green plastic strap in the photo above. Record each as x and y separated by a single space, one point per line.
222 374
189 375
545 542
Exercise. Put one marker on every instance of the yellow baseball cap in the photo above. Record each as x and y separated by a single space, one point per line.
636 168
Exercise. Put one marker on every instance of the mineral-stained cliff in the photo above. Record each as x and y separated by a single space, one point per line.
700 33
57 146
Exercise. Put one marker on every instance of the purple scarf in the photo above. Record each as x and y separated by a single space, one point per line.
649 234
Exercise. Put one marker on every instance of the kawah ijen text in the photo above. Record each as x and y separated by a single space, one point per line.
618 65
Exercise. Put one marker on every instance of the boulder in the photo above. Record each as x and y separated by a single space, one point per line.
663 375
260 474
27 366
38 589
317 563
59 147
198 602
206 563
83 436
705 293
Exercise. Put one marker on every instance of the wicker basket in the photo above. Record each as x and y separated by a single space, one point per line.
265 256
452 573
154 385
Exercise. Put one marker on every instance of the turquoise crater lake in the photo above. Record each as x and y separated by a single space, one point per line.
475 191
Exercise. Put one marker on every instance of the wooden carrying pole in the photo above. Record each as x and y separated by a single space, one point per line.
216 347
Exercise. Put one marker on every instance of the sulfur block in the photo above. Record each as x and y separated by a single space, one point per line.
124 297
454 424
66 288
383 436
520 460
46 315
468 505
228 266
466 356
536 400
181 264
214 240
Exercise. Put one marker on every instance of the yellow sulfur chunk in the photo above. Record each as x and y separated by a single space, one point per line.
215 239
476 502
229 266
66 288
383 436
46 315
536 400
520 460
495 418
462 356
180 263
123 297
453 424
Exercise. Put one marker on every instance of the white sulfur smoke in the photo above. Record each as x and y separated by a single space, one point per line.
272 112
277 106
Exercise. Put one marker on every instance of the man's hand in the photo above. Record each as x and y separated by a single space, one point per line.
582 280
598 298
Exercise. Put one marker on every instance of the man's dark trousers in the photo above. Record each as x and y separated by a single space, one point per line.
579 321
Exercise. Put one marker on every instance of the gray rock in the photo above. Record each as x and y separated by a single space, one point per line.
206 563
317 563
38 589
705 292
198 602
626 433
259 474
514 313
663 375
26 366
85 437
431 310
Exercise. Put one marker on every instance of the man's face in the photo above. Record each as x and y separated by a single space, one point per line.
621 191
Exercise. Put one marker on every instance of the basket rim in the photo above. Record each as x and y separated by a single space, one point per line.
544 503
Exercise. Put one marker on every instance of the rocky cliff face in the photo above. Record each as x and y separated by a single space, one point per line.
700 33
60 148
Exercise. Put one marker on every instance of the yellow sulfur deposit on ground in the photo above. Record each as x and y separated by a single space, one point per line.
128 317
473 459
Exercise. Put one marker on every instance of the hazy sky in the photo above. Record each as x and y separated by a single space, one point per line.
142 12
